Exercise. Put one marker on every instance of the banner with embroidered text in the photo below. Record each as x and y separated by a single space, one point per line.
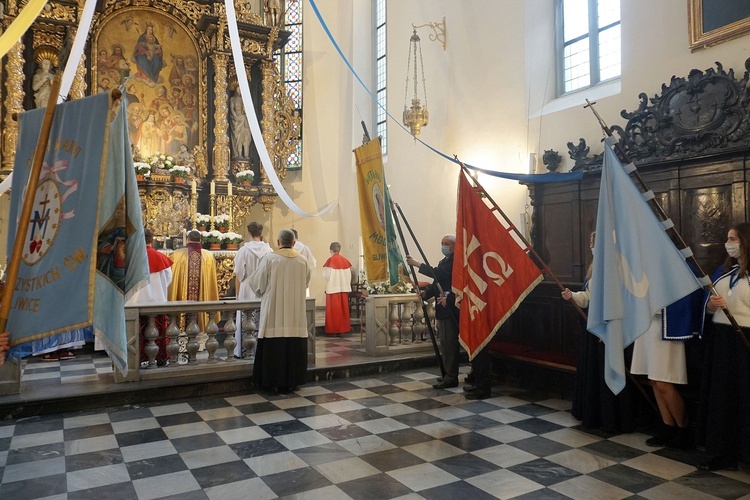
372 209
84 251
492 274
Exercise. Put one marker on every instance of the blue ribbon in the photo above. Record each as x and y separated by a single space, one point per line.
519 177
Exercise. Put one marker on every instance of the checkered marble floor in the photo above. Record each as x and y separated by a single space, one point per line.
388 437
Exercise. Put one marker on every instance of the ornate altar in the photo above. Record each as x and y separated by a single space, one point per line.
173 58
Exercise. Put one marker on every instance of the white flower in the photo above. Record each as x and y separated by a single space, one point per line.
142 168
233 237
180 170
221 218
245 175
202 218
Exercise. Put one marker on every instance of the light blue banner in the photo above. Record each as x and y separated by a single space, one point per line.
637 270
84 251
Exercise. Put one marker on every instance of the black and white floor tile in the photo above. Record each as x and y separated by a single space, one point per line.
393 436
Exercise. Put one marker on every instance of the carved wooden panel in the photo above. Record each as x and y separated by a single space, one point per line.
708 217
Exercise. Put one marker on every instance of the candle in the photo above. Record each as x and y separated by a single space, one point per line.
229 189
194 187
213 188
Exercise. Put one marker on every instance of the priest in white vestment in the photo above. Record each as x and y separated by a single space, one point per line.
245 263
280 282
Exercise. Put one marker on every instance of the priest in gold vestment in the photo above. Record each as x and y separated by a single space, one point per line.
194 275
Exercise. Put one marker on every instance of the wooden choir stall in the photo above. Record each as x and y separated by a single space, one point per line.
691 143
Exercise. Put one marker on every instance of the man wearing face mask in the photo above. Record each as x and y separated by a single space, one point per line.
446 311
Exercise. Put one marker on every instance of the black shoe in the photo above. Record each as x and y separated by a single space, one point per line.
470 378
682 440
470 388
665 434
477 394
719 463
445 385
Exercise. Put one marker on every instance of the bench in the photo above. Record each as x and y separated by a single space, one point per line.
555 360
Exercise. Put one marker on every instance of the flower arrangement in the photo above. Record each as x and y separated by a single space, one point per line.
210 237
245 176
402 286
383 288
231 237
221 220
142 168
180 171
202 219
159 160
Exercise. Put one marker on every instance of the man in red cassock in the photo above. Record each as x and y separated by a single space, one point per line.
338 275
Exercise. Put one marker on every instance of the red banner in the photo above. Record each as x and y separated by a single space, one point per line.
491 273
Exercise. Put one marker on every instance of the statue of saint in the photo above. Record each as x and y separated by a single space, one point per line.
241 136
272 12
41 83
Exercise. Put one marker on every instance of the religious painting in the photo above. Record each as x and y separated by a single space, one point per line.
711 22
155 61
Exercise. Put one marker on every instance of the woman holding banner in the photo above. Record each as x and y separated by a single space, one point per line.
725 393
593 402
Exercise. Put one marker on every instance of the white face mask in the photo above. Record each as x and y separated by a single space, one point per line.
733 249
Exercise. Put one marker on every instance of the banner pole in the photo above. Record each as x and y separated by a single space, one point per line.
417 291
703 278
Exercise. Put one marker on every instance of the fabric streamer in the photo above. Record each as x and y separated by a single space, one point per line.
252 119
494 173
20 25
76 51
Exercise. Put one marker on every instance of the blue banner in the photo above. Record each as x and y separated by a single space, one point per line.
637 270
87 193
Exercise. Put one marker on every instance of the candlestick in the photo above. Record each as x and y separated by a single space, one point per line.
229 188
213 187
194 187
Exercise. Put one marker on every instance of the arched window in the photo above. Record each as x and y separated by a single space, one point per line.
290 68
381 119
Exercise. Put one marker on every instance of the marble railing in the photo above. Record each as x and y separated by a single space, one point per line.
193 352
396 321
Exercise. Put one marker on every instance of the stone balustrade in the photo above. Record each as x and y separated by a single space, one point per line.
193 352
396 322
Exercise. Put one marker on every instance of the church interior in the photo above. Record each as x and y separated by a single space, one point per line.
504 89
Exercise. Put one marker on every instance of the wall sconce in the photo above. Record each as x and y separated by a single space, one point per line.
416 115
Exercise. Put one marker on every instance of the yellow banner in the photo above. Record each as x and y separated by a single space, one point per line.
372 209
20 25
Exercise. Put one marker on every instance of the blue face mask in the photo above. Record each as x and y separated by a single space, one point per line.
446 250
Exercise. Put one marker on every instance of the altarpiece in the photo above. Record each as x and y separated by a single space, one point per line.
172 59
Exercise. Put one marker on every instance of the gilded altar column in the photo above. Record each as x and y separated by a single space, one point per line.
268 122
78 88
13 104
221 132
